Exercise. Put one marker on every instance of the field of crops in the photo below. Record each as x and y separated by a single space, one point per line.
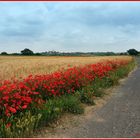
51 86
12 66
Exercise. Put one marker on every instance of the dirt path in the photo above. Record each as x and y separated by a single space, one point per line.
116 115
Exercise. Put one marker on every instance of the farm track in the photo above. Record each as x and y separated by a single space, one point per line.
118 118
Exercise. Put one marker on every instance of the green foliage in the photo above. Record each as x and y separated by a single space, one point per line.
86 95
121 73
27 52
51 111
23 126
57 106
4 53
133 52
72 104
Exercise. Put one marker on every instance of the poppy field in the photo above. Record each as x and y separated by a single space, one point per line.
30 102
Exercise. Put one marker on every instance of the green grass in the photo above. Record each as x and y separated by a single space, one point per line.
54 108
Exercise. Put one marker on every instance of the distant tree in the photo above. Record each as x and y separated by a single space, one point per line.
4 53
109 53
15 53
123 53
132 52
37 54
27 52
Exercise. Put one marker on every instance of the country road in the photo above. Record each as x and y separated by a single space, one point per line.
118 118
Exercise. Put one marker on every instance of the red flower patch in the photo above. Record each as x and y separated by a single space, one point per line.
33 91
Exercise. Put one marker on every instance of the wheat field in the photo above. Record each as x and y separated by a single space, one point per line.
22 66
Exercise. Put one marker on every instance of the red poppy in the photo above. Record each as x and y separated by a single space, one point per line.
24 106
13 110
8 125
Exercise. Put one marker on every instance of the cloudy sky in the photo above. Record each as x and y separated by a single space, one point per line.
69 26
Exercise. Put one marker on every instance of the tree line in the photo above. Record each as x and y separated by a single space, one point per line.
28 52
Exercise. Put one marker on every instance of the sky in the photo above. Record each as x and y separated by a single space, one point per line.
69 26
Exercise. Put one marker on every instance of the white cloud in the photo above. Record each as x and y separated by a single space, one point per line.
69 26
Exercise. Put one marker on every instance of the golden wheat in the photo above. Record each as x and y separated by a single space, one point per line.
22 66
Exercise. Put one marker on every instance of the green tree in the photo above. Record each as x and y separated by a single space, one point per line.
4 53
27 52
132 52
